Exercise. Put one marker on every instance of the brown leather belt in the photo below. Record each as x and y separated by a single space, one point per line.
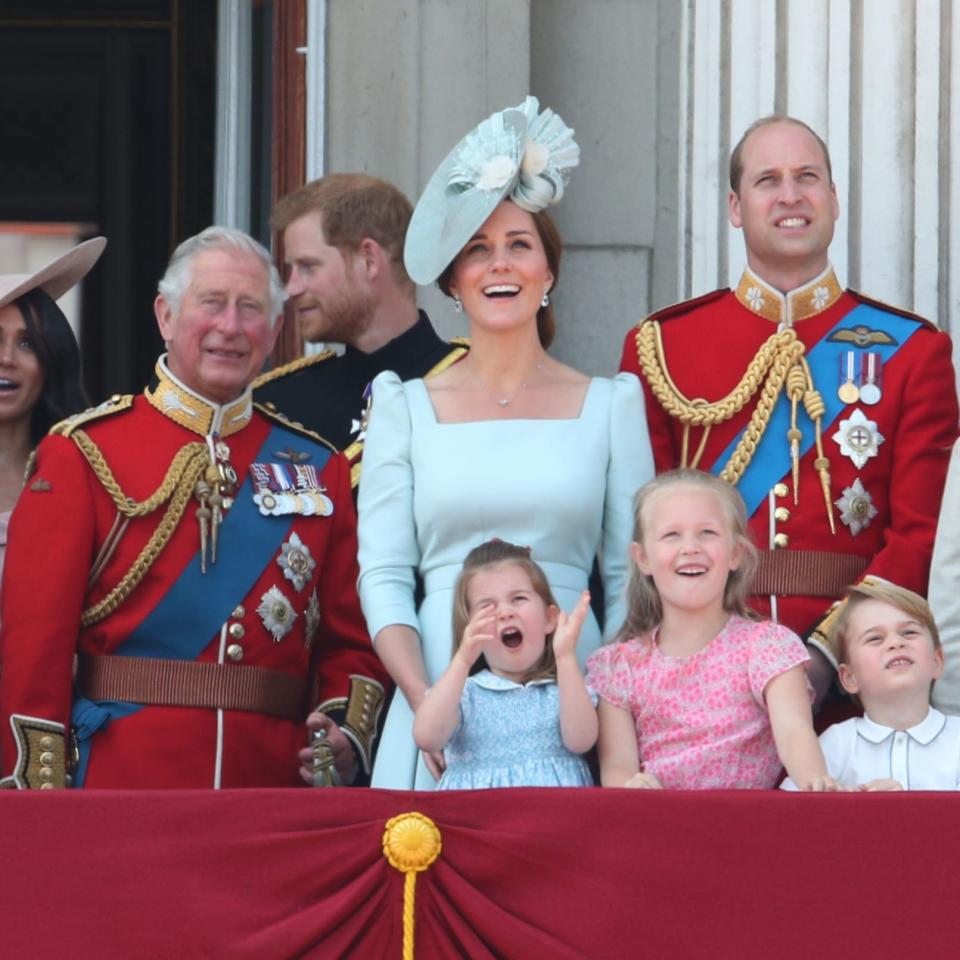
809 573
187 683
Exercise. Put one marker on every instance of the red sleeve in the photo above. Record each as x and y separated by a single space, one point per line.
48 558
666 453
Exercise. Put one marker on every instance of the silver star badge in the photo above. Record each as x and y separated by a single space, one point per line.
856 507
296 562
277 613
859 438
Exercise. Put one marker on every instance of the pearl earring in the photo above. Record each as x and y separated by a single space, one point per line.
457 304
545 302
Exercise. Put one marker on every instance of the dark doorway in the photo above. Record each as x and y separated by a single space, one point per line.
107 118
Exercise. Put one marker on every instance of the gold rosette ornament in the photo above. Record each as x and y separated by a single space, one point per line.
411 843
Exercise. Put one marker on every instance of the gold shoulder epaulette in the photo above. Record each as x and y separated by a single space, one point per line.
116 404
890 308
461 347
685 306
292 367
272 413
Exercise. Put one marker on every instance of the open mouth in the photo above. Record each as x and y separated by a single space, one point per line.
791 223
899 662
511 638
501 291
692 570
7 386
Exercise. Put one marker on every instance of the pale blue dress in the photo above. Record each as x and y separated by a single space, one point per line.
430 492
509 736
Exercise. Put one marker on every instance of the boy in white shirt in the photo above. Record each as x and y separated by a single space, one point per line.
889 654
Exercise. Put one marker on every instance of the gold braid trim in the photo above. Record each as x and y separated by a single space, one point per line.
767 373
176 489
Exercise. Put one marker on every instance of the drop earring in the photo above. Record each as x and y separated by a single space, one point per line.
457 304
545 302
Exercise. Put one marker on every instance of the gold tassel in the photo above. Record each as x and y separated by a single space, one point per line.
411 843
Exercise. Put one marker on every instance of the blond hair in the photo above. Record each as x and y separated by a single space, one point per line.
644 607
489 555
903 599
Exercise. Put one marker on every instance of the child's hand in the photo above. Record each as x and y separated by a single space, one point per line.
644 781
569 626
824 783
479 631
880 786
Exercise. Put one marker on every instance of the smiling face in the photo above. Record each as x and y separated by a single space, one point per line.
21 375
785 204
688 548
522 621
887 651
329 299
502 273
223 332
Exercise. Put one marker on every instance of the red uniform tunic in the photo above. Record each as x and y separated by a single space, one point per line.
708 345
57 536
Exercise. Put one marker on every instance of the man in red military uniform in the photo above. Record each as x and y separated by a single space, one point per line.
833 414
181 568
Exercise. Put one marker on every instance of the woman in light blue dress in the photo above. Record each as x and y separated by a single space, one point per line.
507 443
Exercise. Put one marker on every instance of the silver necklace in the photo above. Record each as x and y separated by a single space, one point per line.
506 401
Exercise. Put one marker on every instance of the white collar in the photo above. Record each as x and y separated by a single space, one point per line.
490 681
924 732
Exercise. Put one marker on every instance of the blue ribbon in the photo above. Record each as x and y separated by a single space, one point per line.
771 461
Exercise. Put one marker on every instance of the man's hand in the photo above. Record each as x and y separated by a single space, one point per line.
344 757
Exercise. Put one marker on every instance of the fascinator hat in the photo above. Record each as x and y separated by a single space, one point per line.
518 154
56 278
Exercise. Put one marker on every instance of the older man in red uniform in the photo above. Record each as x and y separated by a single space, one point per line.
832 413
181 568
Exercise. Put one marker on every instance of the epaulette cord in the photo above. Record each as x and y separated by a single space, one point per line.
890 308
116 404
272 413
292 367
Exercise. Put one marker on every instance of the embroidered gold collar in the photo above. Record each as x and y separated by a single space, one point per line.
787 309
187 408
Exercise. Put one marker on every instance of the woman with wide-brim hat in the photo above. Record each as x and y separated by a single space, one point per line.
39 364
509 442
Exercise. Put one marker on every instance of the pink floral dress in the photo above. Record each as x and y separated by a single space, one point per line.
702 720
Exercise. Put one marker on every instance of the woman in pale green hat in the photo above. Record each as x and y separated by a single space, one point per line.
507 443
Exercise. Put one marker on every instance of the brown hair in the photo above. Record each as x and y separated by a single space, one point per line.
497 553
644 609
553 248
736 158
909 602
354 206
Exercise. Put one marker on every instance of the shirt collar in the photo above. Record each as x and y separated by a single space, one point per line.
175 400
924 732
786 309
490 681
418 340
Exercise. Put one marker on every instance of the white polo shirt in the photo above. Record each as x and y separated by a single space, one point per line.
924 757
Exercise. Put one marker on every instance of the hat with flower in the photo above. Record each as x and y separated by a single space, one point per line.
519 154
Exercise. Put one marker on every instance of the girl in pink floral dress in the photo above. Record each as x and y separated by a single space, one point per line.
696 692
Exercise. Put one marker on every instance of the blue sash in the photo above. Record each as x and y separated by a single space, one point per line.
771 461
197 605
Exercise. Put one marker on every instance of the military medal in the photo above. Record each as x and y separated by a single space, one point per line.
856 507
859 438
870 392
848 392
276 613
294 487
296 562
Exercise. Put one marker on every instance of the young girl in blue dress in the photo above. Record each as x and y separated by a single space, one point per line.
512 709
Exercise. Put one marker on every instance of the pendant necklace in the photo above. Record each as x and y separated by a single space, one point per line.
506 401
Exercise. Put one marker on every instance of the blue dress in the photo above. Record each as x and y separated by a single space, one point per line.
430 492
509 736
